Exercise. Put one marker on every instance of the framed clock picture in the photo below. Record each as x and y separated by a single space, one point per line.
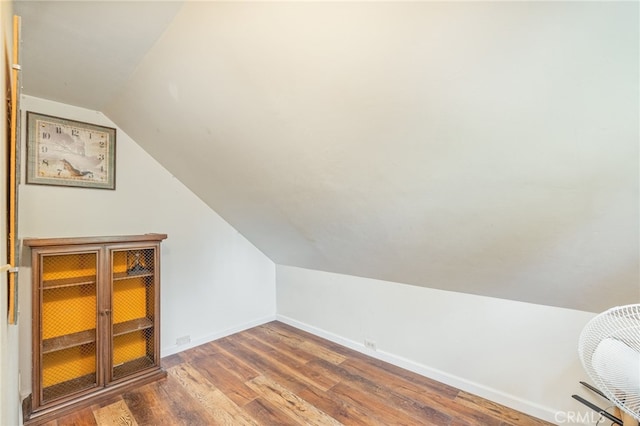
70 153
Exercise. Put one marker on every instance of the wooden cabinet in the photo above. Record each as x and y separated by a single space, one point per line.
96 319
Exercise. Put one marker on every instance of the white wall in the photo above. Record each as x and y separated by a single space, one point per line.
365 137
9 402
519 354
214 281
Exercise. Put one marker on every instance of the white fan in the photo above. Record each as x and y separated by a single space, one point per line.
609 349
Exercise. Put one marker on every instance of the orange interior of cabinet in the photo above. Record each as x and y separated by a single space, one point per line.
119 262
129 303
129 299
69 266
68 310
68 364
129 347
72 309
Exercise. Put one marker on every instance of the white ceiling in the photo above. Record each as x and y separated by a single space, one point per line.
87 50
487 148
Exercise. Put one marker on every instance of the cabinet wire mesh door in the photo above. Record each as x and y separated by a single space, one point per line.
96 320
133 311
68 293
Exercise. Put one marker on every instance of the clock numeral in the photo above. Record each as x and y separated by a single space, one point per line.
102 144
44 149
75 132
46 135
58 129
100 156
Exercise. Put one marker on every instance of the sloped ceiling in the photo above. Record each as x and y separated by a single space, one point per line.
486 148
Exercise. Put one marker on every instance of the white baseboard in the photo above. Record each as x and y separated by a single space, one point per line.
174 349
491 394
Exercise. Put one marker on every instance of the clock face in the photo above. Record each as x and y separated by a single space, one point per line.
66 152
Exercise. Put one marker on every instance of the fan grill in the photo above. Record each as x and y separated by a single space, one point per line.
609 349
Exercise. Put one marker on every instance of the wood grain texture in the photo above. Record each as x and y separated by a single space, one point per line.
116 239
12 208
275 374
116 414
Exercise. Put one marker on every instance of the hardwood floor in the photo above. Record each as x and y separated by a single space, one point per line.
275 374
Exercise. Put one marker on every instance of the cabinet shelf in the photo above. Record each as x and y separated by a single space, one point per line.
118 276
131 326
68 341
132 366
68 282
70 386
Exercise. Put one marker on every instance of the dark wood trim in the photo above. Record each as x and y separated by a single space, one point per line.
65 241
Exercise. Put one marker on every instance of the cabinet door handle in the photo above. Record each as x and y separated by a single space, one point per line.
106 312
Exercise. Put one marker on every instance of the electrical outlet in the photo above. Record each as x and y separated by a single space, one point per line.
370 344
183 340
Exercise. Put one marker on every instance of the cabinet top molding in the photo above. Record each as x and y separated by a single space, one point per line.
43 242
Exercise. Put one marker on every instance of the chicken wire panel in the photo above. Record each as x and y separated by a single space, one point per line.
65 266
133 310
132 352
68 310
67 371
133 262
68 323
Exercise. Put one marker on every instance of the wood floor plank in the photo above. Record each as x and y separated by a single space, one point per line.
302 347
224 379
318 346
264 364
421 394
233 362
507 415
406 375
296 407
171 360
267 413
143 408
183 409
83 417
382 395
115 414
147 406
339 409
222 409
293 352
379 409
286 365
205 350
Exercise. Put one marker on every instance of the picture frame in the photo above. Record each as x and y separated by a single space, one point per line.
66 152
